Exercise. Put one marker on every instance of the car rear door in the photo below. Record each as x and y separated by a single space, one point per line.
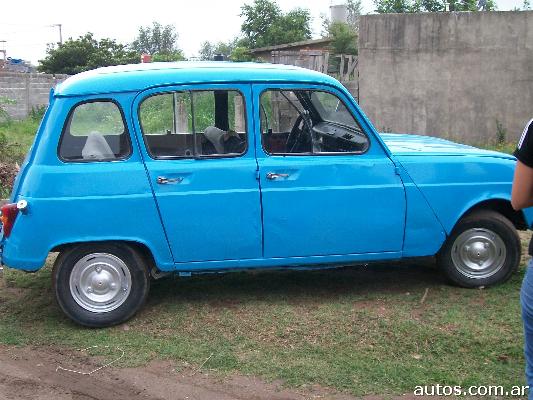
329 195
203 178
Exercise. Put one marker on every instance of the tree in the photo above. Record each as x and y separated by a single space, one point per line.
396 6
344 34
85 53
354 8
208 50
234 50
406 6
266 25
344 38
160 41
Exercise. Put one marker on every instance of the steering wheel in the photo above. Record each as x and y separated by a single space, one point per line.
296 137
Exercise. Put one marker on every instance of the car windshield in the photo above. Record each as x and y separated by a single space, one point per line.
331 109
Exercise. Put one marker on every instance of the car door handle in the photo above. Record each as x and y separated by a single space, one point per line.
273 176
164 181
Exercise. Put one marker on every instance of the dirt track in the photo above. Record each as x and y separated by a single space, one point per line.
30 373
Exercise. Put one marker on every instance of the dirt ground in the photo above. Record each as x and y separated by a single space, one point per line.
31 373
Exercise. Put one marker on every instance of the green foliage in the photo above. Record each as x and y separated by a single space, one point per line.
234 50
157 112
161 41
266 25
360 331
344 38
354 8
85 53
241 53
501 134
37 112
208 50
4 116
393 6
344 34
408 6
526 5
176 55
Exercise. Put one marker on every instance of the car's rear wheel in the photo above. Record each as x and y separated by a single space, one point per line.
483 249
98 285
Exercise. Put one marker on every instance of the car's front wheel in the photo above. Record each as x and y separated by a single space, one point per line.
98 285
483 249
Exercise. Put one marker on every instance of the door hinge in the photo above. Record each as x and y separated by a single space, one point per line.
397 171
257 175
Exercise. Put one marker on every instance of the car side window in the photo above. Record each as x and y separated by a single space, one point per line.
194 124
95 131
308 122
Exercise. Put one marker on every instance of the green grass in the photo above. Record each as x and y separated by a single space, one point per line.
19 135
360 330
508 148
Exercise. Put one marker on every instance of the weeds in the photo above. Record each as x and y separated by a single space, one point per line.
501 134
15 140
4 116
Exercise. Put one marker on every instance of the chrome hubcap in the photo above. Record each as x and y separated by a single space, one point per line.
100 282
478 253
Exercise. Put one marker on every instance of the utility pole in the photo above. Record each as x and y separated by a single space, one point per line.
60 33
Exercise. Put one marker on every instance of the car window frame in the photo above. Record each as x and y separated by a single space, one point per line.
208 88
283 88
68 121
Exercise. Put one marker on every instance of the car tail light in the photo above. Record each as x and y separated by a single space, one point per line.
9 214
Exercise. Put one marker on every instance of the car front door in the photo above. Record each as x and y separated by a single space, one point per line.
327 185
195 142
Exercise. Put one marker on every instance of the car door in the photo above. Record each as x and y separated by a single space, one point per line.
195 142
327 185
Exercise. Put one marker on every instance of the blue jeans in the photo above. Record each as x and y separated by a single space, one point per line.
526 300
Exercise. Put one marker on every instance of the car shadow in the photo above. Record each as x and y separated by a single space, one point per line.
372 280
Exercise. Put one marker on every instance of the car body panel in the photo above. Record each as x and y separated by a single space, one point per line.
213 213
465 181
444 170
139 77
411 190
329 204
410 144
82 201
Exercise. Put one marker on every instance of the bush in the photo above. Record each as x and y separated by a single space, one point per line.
10 154
37 112
4 116
8 172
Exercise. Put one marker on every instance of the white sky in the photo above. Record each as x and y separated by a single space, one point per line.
25 24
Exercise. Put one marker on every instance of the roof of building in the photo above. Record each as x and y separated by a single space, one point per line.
137 77
286 46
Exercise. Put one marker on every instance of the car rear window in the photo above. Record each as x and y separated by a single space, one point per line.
95 131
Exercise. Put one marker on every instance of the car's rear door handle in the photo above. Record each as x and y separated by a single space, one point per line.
164 181
273 176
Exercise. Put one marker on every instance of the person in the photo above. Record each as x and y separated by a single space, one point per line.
522 197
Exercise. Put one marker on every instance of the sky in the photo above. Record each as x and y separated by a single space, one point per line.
26 26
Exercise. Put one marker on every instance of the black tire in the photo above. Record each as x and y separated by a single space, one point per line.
118 264
500 259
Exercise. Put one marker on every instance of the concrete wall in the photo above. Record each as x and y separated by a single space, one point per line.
27 90
448 74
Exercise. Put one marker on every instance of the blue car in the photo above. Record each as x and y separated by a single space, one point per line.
141 170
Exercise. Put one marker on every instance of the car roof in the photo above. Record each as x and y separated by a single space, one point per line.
137 77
